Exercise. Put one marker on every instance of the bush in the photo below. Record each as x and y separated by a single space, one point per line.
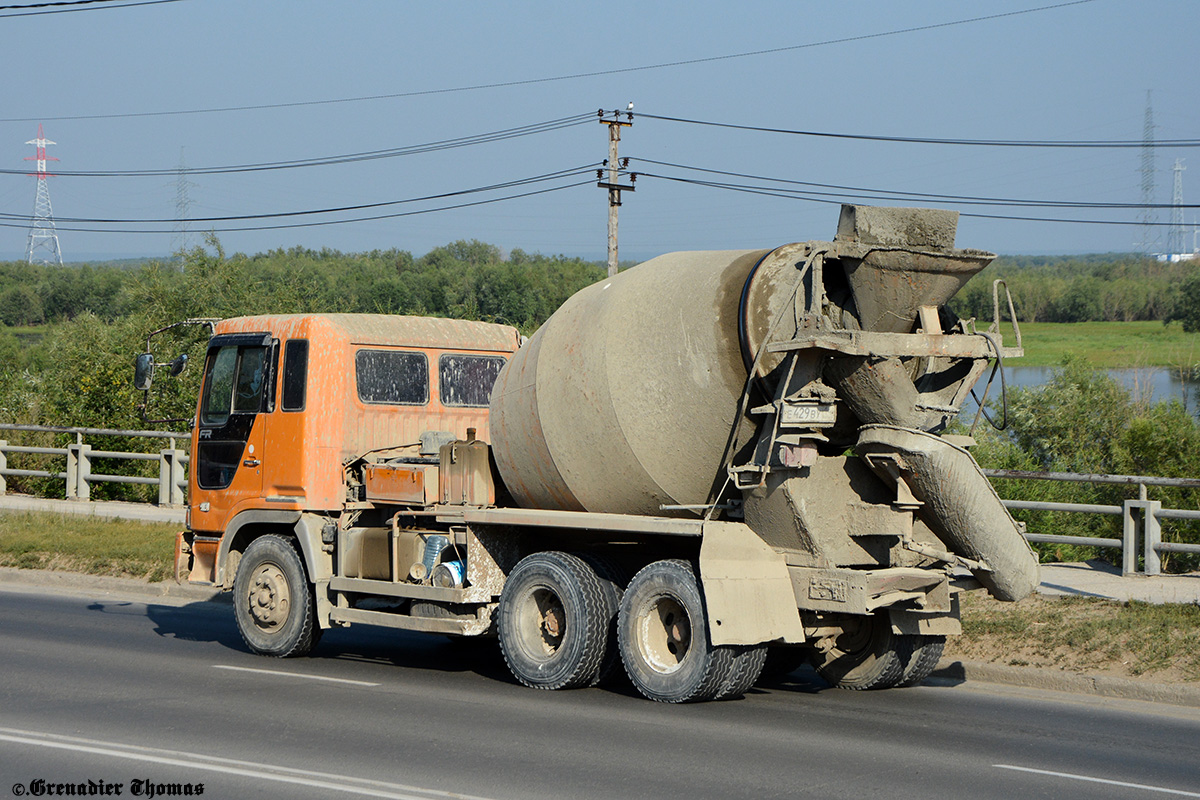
1083 421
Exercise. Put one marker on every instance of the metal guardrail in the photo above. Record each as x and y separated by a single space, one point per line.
79 474
1139 518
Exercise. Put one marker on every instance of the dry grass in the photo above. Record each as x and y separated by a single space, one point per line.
1077 634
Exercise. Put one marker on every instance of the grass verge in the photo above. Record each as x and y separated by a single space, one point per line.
119 548
1084 635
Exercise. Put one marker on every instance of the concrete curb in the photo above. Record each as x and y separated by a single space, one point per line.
73 581
108 509
952 672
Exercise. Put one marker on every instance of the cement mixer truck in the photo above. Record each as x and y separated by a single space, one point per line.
710 460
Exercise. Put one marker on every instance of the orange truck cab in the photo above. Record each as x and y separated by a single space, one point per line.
287 401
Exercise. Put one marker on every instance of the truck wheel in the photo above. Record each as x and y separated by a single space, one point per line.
926 652
865 655
613 579
663 634
273 600
554 617
746 666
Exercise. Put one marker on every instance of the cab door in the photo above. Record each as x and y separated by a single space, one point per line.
229 443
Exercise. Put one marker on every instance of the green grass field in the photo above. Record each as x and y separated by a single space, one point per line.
1107 344
84 544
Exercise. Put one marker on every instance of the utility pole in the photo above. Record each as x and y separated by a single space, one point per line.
615 123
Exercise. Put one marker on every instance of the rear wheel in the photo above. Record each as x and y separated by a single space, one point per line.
663 635
273 600
553 621
744 671
865 655
613 579
926 651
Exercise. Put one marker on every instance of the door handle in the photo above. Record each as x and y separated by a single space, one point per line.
251 462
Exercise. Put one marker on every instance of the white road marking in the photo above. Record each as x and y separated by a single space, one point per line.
294 675
1090 779
230 766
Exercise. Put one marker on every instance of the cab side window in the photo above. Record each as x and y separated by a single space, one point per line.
392 377
252 370
295 374
467 380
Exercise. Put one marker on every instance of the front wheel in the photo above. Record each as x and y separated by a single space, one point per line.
273 601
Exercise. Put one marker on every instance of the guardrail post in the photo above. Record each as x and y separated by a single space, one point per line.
1151 536
170 468
3 465
79 469
1129 538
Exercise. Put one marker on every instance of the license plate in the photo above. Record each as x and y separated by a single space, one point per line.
808 414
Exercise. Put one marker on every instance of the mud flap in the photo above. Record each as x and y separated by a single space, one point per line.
747 588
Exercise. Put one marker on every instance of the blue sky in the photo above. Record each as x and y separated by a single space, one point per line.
1070 73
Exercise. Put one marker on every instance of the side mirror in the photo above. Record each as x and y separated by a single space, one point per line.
143 372
178 365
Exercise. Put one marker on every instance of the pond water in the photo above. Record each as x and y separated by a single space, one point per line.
1158 384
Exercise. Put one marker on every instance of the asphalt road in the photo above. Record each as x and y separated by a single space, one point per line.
163 694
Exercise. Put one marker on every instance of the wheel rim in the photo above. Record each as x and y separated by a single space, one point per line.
270 598
541 622
856 639
665 634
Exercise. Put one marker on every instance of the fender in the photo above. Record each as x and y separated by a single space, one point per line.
305 527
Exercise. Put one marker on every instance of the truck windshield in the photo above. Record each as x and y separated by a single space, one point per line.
233 383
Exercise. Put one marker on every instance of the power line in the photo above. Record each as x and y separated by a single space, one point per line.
90 3
346 158
794 195
896 194
586 169
323 223
567 77
1079 143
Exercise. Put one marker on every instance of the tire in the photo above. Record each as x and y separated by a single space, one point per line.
866 655
926 651
553 622
273 601
663 635
744 671
613 579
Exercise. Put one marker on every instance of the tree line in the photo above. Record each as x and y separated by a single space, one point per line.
1097 288
472 278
